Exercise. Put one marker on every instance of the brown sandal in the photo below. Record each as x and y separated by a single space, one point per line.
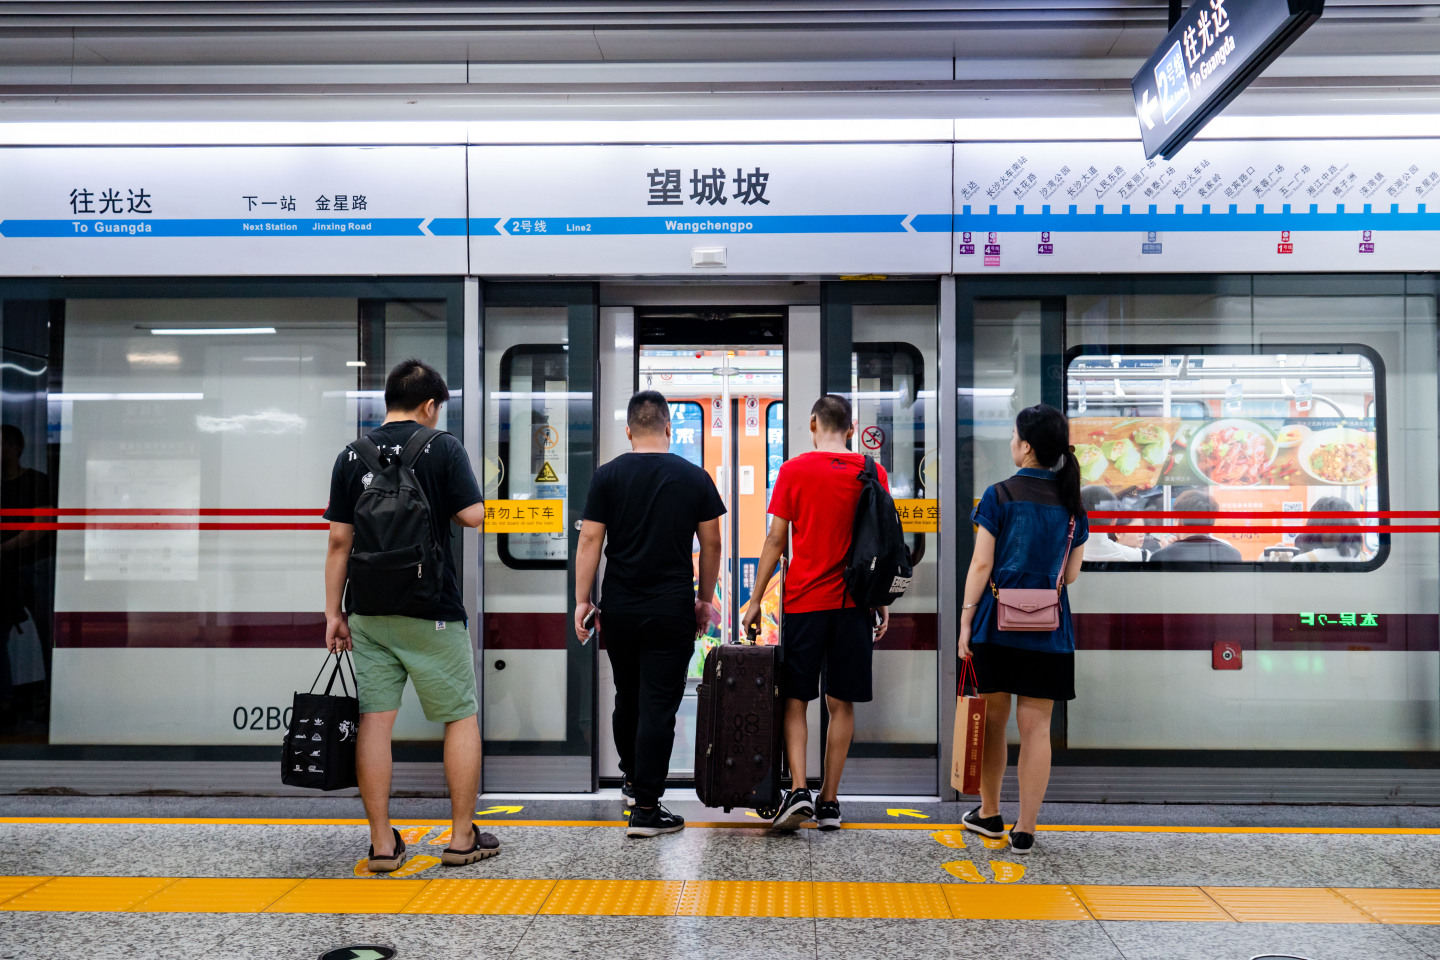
386 864
485 847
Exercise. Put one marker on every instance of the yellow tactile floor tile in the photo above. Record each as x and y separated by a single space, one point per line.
1030 901
916 901
13 886
747 898
1150 903
614 898
1396 906
348 896
1287 905
495 897
75 894
212 895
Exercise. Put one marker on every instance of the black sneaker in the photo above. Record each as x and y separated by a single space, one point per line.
827 814
627 793
993 827
1021 842
795 809
653 821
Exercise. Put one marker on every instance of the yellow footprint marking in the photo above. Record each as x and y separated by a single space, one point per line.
361 870
752 813
414 865
1006 872
995 843
965 870
413 834
950 838
443 840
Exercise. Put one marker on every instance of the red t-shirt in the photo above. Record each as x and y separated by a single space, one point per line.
817 492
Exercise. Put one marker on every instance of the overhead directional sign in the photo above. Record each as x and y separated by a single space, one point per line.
1211 54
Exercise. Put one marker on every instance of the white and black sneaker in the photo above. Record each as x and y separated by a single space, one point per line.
993 827
795 809
653 821
1021 842
827 814
627 793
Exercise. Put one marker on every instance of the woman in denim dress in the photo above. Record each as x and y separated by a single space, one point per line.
1023 525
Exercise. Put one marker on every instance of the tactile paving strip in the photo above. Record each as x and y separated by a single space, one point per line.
1150 903
747 898
13 886
209 895
97 894
914 901
1287 905
1396 906
1019 902
495 897
348 896
614 898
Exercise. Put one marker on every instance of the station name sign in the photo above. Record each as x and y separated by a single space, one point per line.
1213 52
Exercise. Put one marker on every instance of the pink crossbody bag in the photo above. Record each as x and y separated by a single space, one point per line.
1032 610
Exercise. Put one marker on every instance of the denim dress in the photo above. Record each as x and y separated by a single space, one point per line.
1030 529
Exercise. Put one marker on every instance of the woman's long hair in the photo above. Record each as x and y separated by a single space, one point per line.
1048 433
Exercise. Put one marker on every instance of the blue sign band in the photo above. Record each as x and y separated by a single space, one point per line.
246 227
710 224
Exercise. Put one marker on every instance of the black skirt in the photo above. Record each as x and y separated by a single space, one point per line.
1025 673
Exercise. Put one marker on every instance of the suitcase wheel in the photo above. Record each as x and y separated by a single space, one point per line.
767 813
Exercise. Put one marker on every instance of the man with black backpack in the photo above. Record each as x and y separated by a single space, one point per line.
393 494
821 497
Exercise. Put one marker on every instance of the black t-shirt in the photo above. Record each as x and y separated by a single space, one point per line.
651 505
444 472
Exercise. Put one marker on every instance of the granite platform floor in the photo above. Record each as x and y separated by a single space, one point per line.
900 883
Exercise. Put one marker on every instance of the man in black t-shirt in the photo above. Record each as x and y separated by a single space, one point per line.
433 651
647 507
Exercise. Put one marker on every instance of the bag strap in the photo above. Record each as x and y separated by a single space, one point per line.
1065 560
416 445
341 657
368 452
967 668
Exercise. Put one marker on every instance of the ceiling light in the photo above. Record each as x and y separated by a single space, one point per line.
354 363
209 331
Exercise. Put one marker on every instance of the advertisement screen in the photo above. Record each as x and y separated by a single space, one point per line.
1271 443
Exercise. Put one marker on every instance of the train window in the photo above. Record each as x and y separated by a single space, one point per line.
687 431
1237 451
534 425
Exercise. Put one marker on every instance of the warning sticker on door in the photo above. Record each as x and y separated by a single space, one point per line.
546 474
919 516
524 516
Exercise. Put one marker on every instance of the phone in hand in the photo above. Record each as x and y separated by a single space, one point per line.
589 622
875 621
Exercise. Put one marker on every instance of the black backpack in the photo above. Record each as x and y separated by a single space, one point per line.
396 568
877 566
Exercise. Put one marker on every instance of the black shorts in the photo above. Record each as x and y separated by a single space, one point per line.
837 644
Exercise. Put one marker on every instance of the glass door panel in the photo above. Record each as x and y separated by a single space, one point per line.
538 680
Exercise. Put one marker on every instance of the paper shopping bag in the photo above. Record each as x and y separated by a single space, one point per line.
969 746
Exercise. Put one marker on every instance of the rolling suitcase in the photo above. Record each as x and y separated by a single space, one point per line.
739 728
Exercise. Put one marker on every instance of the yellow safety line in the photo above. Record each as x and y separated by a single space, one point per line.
740 898
712 825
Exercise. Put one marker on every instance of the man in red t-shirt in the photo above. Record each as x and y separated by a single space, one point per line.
824 633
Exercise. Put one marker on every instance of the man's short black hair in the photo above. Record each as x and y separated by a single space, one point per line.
832 413
1196 501
11 434
411 383
648 412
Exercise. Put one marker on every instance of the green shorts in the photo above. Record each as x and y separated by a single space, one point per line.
435 655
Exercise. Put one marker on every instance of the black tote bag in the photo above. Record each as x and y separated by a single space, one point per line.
319 749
